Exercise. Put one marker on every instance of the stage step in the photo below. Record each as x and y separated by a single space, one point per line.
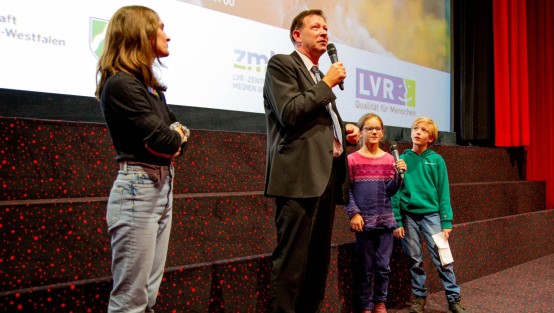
55 253
241 284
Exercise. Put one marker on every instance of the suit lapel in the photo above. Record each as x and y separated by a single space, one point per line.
296 57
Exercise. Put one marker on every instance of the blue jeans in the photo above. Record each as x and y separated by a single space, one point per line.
374 250
428 224
139 222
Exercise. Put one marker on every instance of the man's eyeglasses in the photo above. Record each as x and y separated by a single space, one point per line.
371 129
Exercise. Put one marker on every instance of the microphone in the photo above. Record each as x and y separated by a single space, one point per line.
394 151
332 51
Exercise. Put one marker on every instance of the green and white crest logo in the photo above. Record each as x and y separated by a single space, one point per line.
97 34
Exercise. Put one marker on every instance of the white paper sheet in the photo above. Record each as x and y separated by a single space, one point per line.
444 248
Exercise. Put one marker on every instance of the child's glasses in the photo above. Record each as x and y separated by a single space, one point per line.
371 129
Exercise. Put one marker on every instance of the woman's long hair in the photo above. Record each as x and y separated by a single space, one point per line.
130 47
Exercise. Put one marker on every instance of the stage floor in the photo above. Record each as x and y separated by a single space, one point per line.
528 287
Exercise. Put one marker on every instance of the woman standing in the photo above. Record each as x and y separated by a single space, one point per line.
146 136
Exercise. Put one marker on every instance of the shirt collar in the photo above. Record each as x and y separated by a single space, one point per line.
307 62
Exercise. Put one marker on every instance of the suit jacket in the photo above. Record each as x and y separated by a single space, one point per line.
299 132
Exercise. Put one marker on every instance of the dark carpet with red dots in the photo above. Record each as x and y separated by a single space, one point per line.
55 254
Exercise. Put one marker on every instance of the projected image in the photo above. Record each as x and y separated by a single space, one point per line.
416 31
396 52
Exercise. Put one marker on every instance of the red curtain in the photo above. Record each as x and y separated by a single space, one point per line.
540 152
524 84
510 73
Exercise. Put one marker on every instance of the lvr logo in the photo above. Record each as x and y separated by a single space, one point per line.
251 61
385 88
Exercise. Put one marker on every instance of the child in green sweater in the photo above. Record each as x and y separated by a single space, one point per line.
422 207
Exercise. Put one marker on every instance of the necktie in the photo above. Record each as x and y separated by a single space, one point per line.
336 124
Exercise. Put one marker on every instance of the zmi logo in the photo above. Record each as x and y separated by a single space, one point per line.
97 34
385 88
251 61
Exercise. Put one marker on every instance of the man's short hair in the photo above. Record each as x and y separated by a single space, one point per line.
298 21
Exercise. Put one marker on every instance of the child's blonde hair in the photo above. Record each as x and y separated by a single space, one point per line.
431 126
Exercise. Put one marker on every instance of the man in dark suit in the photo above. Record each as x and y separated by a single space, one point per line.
306 169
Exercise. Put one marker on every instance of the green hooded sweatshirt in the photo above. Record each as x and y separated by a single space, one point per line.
425 189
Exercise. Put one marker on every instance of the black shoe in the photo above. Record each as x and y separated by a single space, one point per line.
418 305
456 307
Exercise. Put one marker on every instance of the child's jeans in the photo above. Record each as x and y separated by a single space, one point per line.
374 250
428 224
